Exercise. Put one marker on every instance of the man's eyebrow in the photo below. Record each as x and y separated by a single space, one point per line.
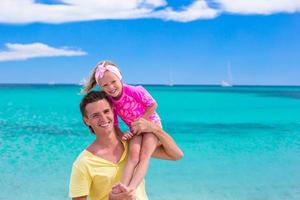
95 113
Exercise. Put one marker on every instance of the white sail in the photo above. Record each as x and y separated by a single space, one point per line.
51 83
228 82
83 81
170 77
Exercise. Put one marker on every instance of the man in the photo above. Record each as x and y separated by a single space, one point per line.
100 166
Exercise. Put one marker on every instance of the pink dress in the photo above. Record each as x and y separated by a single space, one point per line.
132 105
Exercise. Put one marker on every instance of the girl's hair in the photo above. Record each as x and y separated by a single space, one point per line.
92 81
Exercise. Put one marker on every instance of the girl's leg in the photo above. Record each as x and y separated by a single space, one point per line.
133 159
149 145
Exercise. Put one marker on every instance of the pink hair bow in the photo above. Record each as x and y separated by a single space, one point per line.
101 69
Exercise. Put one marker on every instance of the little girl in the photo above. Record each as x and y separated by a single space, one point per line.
129 103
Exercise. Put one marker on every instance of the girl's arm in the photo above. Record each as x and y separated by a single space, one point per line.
149 111
169 149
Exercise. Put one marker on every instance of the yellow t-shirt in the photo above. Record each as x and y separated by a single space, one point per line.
94 177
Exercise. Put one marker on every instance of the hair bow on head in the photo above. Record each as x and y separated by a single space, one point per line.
102 68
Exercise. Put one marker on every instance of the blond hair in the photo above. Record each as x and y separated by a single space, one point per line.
91 83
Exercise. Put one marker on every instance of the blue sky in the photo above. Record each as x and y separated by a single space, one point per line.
151 40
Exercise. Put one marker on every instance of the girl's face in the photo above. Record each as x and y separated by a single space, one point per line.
111 84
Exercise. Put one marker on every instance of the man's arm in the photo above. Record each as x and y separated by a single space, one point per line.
169 149
80 182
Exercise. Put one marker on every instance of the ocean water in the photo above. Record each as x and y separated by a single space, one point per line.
240 143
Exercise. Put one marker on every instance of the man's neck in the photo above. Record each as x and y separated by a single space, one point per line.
107 141
108 147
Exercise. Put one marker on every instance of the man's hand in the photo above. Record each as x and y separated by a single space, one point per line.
142 125
124 194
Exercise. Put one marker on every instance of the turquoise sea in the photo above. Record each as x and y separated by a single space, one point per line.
240 143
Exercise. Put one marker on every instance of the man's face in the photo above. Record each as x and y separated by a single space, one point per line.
99 116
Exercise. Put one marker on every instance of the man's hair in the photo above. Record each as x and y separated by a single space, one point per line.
92 97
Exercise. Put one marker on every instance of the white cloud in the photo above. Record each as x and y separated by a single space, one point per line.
29 11
156 3
259 6
35 50
198 10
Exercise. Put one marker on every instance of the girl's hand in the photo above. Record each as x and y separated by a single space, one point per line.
127 135
125 193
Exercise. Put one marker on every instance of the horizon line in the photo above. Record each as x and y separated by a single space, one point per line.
149 84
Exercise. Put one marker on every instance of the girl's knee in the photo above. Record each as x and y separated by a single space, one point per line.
145 155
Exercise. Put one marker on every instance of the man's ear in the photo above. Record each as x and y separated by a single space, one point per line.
86 121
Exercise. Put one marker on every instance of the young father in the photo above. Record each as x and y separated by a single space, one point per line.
100 166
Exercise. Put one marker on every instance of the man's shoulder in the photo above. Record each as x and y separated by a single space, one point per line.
81 159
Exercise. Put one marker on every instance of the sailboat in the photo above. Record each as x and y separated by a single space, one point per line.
228 82
170 77
51 83
83 81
